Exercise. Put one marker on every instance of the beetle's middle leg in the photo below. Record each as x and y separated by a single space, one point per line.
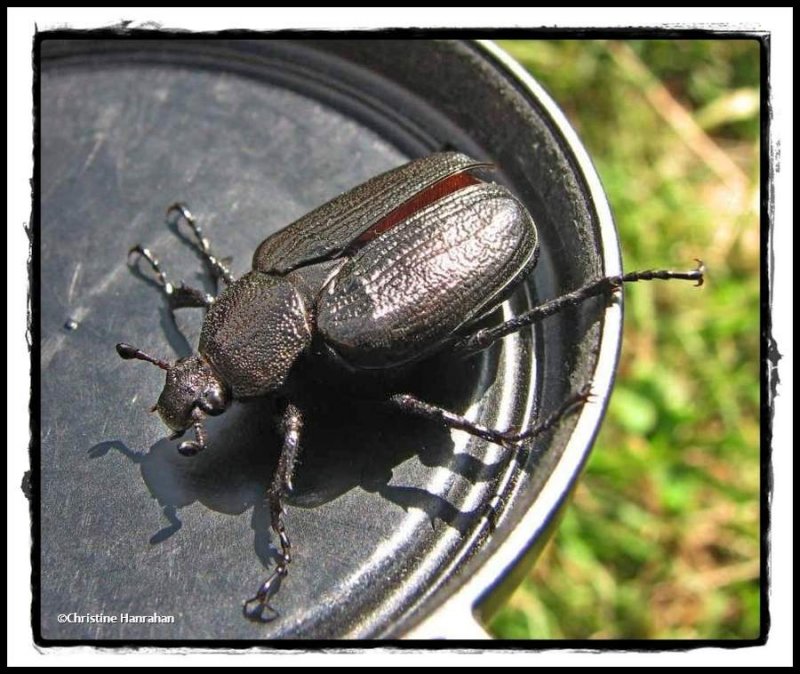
292 424
487 336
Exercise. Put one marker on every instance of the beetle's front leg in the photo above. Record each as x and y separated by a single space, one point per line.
292 424
487 336
178 297
220 267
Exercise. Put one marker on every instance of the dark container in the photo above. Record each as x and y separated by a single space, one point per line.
389 513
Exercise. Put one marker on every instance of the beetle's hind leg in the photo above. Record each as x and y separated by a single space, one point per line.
511 438
178 297
487 336
292 424
220 267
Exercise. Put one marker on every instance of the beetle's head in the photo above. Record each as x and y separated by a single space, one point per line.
192 391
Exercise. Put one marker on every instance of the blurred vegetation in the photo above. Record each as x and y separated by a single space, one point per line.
662 538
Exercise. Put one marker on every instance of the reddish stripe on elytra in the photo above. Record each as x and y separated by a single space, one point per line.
426 197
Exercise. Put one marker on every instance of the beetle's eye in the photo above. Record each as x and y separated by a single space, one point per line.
212 402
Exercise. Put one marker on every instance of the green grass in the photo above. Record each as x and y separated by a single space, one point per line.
662 538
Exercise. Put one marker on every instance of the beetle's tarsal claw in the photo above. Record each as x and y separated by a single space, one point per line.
255 607
220 269
138 251
180 209
142 252
700 270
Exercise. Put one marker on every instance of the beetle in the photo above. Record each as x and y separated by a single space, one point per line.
381 277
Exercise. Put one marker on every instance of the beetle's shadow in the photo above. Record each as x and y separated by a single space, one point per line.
356 442
348 442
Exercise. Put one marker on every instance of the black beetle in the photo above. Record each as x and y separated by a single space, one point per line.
384 275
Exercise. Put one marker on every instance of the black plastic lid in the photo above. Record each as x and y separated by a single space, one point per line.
388 517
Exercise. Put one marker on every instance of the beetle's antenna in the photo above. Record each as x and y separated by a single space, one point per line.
129 352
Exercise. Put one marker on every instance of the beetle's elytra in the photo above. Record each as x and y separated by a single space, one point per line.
382 276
